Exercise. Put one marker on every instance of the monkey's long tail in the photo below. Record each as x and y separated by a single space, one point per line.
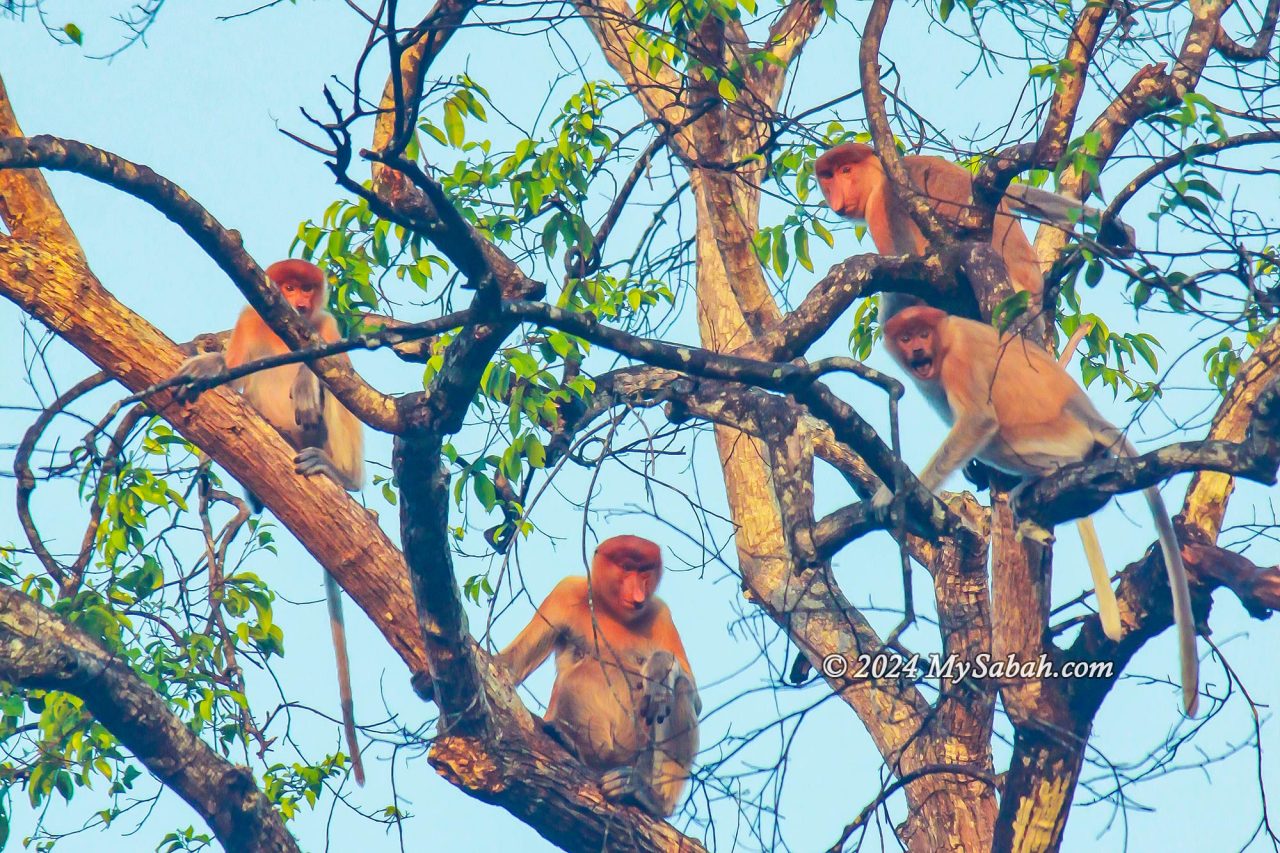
1108 610
1182 618
338 626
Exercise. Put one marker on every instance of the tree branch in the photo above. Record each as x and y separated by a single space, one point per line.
1080 489
222 245
39 649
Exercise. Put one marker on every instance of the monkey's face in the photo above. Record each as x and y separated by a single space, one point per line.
917 348
626 592
844 186
845 176
302 295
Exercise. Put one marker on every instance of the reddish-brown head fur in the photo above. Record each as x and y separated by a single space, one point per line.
624 575
301 282
913 337
847 174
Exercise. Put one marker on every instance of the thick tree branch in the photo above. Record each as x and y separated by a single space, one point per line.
788 35
27 207
222 245
1078 490
39 649
615 28
344 538
1207 498
1261 47
402 94
873 97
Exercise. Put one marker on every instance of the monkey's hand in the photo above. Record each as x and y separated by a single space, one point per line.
308 399
1028 529
201 366
882 498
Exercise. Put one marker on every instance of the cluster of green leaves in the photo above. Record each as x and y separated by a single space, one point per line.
186 840
672 27
1222 360
1106 356
290 786
548 178
358 249
946 7
542 183
153 616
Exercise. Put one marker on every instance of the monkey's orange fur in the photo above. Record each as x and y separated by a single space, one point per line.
853 181
328 438
1011 405
624 697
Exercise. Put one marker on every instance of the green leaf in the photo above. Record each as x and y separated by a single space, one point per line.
727 90
535 452
453 124
73 32
485 491
525 365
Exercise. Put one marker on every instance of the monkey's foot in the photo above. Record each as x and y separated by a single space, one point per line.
621 786
311 461
1028 529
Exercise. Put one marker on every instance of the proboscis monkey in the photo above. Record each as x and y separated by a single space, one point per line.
854 183
1015 408
328 438
624 698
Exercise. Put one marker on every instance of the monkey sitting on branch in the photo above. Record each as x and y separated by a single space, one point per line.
328 437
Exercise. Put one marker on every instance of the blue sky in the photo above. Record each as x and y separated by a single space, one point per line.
201 103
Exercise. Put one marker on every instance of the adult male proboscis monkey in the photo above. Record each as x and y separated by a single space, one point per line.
328 438
1015 408
624 699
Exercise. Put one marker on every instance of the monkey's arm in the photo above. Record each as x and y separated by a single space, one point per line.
535 643
306 393
966 373
971 432
669 709
210 364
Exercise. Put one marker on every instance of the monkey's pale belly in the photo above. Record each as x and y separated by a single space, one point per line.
596 708
1032 458
268 392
